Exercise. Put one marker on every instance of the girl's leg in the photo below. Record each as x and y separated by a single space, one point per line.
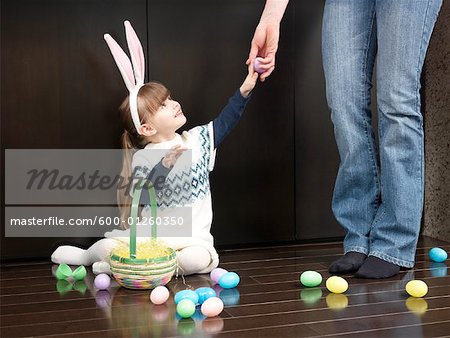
72 255
404 28
193 259
349 49
99 251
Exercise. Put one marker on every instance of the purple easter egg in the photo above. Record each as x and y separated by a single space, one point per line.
257 66
102 281
216 274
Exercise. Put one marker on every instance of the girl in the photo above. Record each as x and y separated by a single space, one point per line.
151 118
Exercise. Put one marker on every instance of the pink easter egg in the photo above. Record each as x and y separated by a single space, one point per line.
216 274
257 66
159 295
212 307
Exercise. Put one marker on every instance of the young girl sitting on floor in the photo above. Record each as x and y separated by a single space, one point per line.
151 118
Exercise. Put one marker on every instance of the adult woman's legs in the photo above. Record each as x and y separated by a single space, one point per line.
403 31
349 49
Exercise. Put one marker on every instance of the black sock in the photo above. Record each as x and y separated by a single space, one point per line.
348 263
375 267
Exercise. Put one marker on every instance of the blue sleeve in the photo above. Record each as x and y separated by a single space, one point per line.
157 177
229 117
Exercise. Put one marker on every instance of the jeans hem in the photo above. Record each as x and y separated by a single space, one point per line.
359 249
393 260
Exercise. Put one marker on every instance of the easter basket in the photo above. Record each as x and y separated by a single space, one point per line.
142 273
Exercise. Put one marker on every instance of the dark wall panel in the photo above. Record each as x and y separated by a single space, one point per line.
60 88
316 155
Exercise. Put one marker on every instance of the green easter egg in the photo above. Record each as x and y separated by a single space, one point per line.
311 278
64 271
79 273
186 308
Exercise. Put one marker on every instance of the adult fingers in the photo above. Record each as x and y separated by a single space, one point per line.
253 52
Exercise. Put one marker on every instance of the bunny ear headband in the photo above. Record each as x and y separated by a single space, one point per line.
133 80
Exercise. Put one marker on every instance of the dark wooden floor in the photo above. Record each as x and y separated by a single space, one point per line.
269 301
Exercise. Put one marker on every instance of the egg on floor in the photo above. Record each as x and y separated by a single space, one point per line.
438 255
336 284
212 307
159 295
416 288
186 294
229 280
185 308
310 278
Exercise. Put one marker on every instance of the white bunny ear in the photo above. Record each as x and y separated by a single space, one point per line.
133 80
122 61
136 52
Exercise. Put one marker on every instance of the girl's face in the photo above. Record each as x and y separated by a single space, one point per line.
169 117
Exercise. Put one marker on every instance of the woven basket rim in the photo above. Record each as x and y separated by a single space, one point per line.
138 261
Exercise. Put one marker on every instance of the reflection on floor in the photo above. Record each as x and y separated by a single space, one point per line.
269 301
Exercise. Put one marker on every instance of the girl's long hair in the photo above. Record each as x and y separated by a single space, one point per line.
150 98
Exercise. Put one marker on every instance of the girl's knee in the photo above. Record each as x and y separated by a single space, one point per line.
101 250
193 260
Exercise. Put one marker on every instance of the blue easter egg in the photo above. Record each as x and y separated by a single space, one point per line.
186 294
204 293
438 255
229 280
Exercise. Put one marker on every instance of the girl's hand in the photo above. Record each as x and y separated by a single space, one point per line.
172 156
250 80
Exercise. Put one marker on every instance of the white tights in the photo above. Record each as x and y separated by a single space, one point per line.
190 260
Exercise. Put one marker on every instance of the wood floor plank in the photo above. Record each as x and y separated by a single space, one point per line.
24 286
426 271
264 283
332 322
269 301
303 252
437 329
247 287
370 323
265 256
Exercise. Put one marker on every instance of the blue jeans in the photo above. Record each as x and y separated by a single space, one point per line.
378 199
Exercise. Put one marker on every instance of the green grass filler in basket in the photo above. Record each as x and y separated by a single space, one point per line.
150 263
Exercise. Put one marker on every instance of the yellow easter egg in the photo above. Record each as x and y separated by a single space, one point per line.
336 284
416 288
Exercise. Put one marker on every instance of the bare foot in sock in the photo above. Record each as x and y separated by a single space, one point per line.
348 263
71 255
376 268
99 251
101 267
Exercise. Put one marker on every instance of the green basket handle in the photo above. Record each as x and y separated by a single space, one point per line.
134 214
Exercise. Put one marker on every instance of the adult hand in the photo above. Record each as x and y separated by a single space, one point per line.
265 45
265 40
